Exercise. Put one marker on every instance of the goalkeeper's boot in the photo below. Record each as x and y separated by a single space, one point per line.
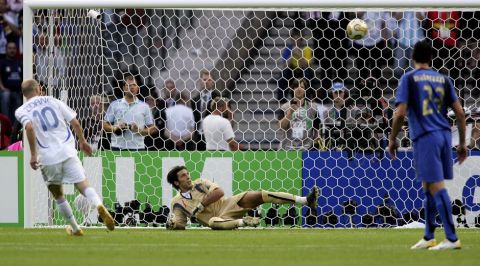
251 221
312 198
447 244
424 244
70 231
106 217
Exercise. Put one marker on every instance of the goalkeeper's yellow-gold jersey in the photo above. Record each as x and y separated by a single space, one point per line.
182 206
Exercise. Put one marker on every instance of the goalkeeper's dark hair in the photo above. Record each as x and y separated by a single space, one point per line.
422 52
172 175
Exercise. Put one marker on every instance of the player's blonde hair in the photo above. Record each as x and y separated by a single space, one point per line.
28 86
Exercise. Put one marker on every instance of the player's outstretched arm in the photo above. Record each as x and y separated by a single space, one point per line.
33 147
460 117
398 119
77 128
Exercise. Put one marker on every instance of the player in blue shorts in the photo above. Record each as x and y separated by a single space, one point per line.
426 95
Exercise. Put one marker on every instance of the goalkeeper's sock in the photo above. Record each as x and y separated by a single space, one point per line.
217 223
430 213
92 196
240 223
66 211
444 208
281 198
301 200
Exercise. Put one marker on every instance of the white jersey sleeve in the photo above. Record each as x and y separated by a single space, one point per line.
23 116
67 112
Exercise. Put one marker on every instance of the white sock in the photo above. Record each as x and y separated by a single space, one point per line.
301 200
241 223
66 211
92 196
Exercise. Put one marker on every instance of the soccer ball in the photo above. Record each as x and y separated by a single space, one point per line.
357 29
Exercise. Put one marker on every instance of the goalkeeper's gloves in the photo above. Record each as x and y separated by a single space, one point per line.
198 209
170 224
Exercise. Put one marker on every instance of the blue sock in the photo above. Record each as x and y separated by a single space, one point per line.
444 207
430 213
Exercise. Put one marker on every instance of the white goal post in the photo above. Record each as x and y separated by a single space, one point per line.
344 189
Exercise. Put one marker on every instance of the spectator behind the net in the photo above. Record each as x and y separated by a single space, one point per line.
156 141
376 103
470 73
201 102
129 119
217 129
92 123
169 93
14 8
11 75
13 21
42 58
335 119
4 29
299 119
5 131
180 125
297 59
373 117
470 65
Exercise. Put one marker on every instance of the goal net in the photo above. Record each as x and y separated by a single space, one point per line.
338 96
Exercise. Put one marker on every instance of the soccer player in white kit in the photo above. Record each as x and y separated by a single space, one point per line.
52 147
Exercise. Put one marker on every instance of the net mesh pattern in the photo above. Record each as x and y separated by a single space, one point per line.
338 96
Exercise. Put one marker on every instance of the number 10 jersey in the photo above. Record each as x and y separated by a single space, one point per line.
50 118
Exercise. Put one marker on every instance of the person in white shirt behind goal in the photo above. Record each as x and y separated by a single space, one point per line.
52 147
217 129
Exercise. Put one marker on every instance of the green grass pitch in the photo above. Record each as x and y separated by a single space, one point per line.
239 247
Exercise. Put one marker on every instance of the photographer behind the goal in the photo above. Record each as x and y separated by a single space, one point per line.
129 119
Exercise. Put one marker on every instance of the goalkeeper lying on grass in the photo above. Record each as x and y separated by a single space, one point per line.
204 200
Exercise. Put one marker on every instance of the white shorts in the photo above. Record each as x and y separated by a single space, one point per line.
69 171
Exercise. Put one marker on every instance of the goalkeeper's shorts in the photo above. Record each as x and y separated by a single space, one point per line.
230 208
